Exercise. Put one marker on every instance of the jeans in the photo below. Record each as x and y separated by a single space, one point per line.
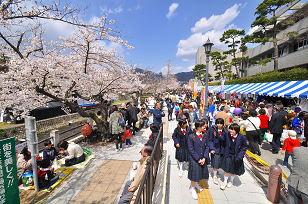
145 123
286 158
51 182
127 141
126 195
296 197
118 138
71 162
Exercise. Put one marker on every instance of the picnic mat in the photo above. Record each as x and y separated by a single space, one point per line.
83 164
62 172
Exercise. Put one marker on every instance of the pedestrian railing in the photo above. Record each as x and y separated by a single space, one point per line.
146 187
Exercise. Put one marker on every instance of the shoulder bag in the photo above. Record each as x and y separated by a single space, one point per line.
261 137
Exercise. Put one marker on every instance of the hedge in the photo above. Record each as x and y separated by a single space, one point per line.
295 74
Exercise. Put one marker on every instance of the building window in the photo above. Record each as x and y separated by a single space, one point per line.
282 52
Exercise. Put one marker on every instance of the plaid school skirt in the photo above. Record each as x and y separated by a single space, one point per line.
216 160
197 172
229 165
182 155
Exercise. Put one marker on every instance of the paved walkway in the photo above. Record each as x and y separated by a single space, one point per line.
246 189
103 179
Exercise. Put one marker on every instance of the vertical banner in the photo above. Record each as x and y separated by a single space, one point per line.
9 192
222 87
194 90
202 99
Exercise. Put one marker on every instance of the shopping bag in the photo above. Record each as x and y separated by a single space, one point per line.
268 137
27 178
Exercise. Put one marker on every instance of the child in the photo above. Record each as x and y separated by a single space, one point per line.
288 146
177 110
46 177
217 137
155 130
127 136
235 149
49 152
198 147
179 137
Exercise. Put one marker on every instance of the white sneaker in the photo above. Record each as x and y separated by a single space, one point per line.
193 193
181 173
117 150
223 186
126 146
198 187
215 180
230 184
131 145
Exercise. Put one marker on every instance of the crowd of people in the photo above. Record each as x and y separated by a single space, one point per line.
221 136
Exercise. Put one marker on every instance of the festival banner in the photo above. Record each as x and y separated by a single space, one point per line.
9 192
194 90
222 87
202 99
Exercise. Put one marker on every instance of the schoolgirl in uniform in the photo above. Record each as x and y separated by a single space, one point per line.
180 138
236 146
198 146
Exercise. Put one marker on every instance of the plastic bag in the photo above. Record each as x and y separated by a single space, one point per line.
27 178
268 137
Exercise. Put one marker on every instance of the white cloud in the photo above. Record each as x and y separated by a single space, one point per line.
217 22
251 30
115 11
138 7
172 9
207 28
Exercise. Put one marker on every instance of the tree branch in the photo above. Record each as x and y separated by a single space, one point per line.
11 45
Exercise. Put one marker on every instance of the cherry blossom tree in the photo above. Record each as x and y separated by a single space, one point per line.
77 66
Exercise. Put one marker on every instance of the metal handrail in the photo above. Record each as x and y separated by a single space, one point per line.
147 183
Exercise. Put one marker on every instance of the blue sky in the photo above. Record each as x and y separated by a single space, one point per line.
162 30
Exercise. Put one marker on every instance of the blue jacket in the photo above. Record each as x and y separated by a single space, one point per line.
217 143
198 149
240 146
296 122
181 139
169 105
157 115
195 116
50 153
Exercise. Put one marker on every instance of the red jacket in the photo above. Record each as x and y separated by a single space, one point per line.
127 134
264 121
289 144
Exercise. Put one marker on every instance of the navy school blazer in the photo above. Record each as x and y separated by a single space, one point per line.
217 143
181 139
198 149
240 146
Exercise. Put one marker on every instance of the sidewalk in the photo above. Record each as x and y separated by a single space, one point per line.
246 189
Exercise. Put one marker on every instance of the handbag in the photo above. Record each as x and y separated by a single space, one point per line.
261 137
121 121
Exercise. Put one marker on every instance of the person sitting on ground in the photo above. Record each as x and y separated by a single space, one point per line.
46 177
132 185
155 130
74 152
143 118
24 163
49 151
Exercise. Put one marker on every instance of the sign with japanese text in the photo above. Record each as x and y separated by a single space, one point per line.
194 90
9 193
202 98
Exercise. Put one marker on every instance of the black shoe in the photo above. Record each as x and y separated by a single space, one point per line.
259 153
275 151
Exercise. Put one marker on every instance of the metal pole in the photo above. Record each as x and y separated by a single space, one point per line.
206 84
33 145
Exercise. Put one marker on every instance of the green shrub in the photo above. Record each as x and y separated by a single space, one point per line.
295 74
13 130
3 134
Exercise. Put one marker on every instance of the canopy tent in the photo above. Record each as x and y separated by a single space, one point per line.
294 89
214 89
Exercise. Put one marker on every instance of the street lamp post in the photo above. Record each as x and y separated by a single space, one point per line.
208 46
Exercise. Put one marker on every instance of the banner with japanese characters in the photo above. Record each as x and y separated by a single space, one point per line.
9 192
194 90
202 98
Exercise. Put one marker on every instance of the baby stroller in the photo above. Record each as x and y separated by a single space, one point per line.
91 135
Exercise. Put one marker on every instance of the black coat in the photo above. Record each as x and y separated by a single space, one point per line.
132 114
278 120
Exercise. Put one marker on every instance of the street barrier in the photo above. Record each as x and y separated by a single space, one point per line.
146 187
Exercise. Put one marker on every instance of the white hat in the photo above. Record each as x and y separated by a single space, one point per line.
292 134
